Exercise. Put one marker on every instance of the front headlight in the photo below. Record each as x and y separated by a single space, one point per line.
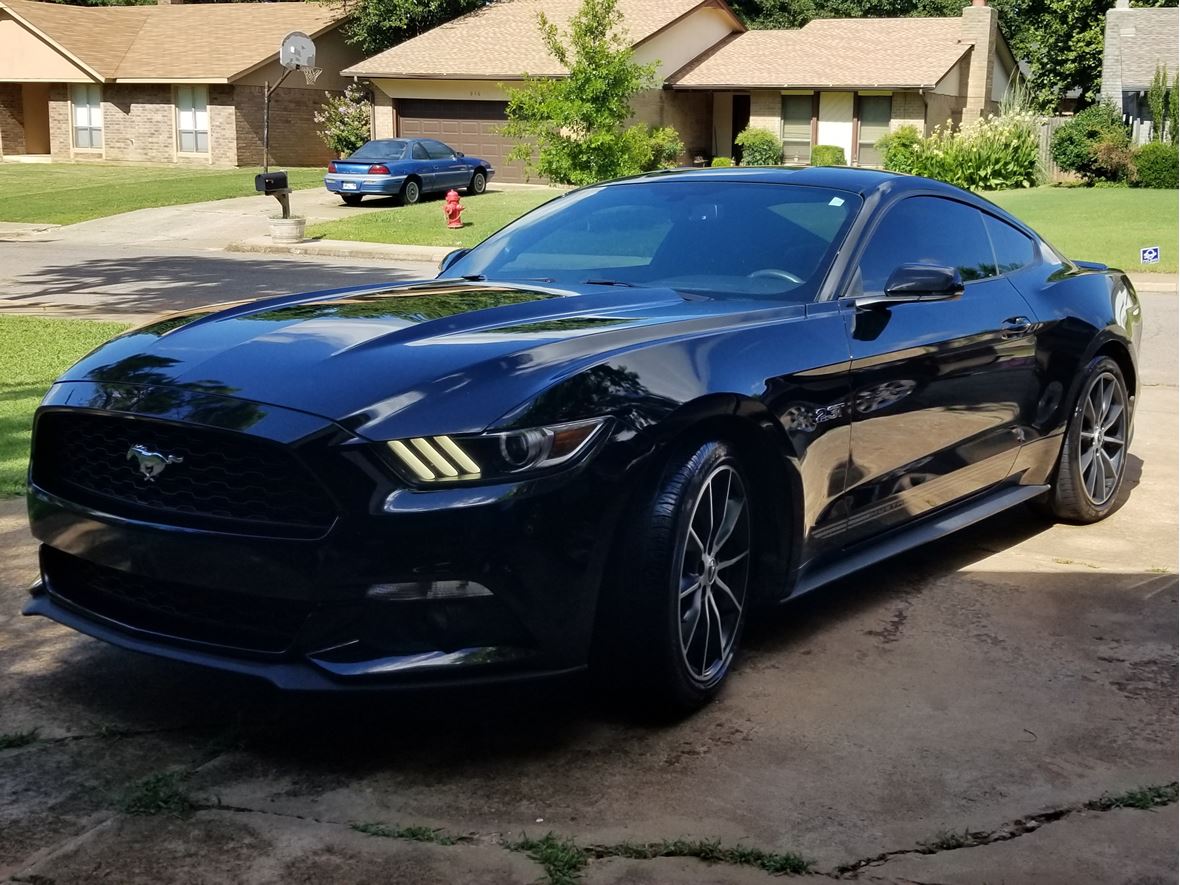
492 456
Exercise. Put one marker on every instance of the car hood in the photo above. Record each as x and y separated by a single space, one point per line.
411 359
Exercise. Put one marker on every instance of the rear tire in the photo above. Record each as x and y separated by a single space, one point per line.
674 611
411 192
1094 452
351 199
479 184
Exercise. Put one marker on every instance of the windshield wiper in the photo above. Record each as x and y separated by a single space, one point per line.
623 283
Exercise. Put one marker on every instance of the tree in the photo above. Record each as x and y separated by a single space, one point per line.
376 25
1157 102
572 129
1174 110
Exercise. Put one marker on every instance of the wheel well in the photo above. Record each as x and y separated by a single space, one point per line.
410 178
480 169
776 493
1118 352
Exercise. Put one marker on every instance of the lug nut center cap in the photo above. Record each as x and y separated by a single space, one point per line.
710 574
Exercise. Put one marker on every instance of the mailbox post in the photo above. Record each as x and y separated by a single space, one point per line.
274 184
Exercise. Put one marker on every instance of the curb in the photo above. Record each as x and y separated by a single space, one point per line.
343 249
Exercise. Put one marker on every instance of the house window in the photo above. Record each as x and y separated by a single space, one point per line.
875 112
192 119
797 111
87 101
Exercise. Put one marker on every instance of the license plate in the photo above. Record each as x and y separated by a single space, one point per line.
349 185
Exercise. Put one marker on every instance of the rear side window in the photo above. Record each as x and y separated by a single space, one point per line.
420 152
1014 249
927 230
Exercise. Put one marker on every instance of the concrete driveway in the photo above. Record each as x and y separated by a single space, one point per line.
964 714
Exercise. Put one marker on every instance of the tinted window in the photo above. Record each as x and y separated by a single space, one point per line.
420 152
1014 250
729 239
927 230
381 149
438 151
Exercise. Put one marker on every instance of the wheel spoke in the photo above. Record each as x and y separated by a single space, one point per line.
691 588
1087 455
1088 414
687 644
721 640
1112 415
692 533
725 587
722 566
1107 396
1109 473
728 523
708 620
1090 476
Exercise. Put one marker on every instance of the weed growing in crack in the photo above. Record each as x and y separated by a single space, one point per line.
947 840
14 739
161 793
412 833
1143 797
562 858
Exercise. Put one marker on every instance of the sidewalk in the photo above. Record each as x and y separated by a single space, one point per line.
344 249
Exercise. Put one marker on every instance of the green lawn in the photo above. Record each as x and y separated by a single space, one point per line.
423 224
65 193
34 351
1100 224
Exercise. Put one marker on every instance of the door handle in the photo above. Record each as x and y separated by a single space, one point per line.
1014 327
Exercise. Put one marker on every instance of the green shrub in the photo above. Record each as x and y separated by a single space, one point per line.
898 147
1075 144
1157 165
1113 160
760 147
828 155
992 153
722 161
666 148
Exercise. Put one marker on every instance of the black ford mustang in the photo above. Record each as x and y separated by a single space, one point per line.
605 436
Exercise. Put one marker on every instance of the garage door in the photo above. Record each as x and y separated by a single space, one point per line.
467 126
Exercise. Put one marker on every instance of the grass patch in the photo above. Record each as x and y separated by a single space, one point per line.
161 793
422 224
1142 797
34 351
66 193
434 835
1100 224
564 860
14 739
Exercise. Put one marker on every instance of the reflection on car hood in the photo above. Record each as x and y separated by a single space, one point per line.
390 360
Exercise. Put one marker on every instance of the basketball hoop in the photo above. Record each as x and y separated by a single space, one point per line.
311 75
296 53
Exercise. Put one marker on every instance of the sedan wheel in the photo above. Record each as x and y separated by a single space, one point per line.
672 616
479 184
1094 454
411 193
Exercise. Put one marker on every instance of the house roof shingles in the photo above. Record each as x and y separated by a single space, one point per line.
1142 38
842 52
502 40
216 41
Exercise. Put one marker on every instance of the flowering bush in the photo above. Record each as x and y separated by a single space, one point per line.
344 120
992 153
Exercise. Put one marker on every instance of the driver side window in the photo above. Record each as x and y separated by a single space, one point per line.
926 230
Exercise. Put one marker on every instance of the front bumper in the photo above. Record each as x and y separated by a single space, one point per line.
306 612
386 185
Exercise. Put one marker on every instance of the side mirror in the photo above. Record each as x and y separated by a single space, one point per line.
917 282
459 154
450 258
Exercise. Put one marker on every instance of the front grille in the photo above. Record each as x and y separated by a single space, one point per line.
217 479
199 614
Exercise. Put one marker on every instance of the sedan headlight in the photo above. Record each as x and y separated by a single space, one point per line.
491 456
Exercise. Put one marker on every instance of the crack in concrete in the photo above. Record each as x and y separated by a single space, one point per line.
1022 826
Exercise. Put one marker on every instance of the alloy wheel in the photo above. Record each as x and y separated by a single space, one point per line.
1102 446
714 573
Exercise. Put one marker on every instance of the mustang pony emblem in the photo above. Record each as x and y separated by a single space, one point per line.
151 464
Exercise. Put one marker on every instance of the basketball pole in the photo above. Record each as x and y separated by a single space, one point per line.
267 92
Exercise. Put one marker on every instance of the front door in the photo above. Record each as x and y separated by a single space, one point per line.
834 125
940 389
741 119
35 101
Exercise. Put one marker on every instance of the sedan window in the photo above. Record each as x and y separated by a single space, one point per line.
420 152
438 151
380 149
720 239
1014 249
927 230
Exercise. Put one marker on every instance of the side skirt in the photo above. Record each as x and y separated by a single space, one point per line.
922 532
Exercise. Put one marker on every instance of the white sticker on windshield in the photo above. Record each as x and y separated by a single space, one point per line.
835 201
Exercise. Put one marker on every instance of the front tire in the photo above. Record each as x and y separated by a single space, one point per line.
411 192
1094 453
479 184
677 604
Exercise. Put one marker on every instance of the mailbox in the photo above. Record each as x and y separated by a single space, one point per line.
271 182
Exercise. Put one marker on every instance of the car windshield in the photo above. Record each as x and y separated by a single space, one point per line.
723 239
381 149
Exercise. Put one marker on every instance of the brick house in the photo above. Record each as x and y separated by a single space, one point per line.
1136 42
836 81
171 83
